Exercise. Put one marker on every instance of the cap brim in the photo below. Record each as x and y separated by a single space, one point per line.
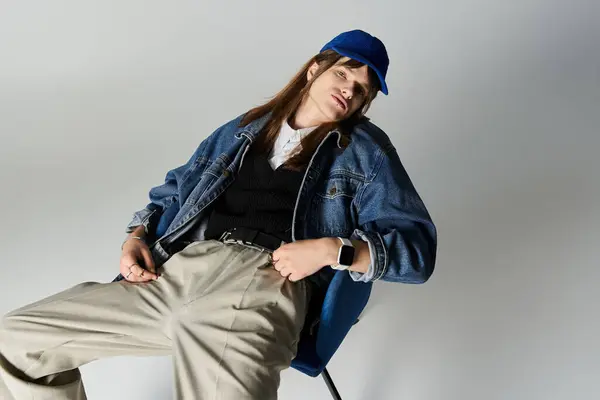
363 60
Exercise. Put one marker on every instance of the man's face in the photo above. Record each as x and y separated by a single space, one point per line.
338 92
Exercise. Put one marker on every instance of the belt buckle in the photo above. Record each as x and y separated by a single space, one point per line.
225 236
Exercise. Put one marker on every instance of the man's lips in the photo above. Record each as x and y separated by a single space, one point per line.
340 101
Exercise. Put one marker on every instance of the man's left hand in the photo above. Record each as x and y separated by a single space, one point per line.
299 259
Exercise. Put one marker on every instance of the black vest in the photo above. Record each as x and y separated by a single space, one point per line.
259 198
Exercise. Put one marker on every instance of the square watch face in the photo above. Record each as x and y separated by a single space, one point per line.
346 255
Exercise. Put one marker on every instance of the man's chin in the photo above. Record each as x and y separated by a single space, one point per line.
337 115
332 114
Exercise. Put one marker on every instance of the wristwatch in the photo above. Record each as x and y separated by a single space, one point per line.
345 255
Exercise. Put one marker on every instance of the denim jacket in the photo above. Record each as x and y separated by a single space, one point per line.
361 192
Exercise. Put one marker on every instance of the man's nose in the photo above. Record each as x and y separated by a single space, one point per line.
348 92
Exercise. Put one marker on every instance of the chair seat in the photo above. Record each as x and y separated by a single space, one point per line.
307 361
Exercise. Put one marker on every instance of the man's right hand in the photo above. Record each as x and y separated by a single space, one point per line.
136 262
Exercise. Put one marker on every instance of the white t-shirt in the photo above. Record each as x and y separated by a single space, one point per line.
286 141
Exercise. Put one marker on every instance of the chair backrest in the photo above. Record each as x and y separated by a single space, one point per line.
343 303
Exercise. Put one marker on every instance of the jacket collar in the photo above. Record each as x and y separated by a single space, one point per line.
252 129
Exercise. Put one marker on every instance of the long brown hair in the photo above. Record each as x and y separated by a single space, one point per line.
283 105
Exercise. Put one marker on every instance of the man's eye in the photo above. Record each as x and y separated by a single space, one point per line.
341 73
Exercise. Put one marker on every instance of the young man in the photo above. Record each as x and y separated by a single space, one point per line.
224 265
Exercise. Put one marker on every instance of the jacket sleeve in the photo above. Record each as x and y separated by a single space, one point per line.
394 221
162 196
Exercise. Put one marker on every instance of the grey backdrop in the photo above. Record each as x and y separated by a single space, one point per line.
494 109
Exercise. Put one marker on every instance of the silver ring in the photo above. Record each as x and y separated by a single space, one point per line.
130 272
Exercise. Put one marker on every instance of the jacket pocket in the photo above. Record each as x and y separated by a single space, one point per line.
212 170
332 210
217 167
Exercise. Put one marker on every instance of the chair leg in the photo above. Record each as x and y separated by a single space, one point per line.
330 385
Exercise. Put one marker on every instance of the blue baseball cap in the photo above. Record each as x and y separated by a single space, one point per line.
363 47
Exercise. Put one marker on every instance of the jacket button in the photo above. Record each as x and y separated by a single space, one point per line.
332 191
226 173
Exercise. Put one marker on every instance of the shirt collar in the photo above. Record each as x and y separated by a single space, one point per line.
295 134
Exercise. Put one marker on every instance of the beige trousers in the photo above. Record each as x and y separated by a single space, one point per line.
230 320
